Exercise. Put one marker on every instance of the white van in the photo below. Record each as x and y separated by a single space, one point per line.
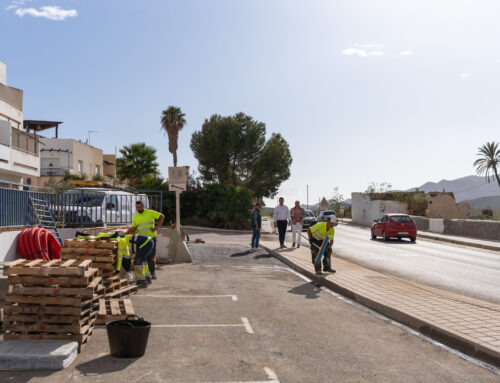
96 207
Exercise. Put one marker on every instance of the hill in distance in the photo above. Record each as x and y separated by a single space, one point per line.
465 189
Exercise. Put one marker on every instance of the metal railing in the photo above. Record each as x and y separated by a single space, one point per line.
75 208
53 172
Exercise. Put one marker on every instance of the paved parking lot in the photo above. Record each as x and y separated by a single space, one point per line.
237 315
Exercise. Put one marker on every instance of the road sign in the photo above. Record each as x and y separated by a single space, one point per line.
178 174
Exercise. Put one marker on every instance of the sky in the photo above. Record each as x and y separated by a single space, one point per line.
362 90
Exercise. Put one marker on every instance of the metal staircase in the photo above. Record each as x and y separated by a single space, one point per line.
43 215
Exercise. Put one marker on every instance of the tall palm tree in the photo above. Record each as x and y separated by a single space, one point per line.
489 161
172 120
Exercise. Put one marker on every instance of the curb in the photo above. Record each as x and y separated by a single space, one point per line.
440 334
428 235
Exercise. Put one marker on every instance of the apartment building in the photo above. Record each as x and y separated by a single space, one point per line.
19 149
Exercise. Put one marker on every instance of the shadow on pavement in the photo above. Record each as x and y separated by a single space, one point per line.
18 376
242 254
392 241
104 364
263 255
308 290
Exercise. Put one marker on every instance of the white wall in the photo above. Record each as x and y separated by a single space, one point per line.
3 73
364 210
8 245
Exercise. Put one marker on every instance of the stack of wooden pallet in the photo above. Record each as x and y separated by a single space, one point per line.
102 253
114 309
54 300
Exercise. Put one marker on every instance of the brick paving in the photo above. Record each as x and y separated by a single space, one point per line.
469 324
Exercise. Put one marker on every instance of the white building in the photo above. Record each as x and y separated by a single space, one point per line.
19 150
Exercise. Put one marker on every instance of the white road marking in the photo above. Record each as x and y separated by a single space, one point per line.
196 325
246 323
271 378
234 298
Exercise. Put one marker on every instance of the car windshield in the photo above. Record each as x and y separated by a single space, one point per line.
309 214
82 198
401 218
328 213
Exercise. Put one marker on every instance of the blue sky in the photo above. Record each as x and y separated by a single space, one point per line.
364 91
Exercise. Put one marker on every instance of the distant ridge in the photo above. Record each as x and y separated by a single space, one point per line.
465 188
484 202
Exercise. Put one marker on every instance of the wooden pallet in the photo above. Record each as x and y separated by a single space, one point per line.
46 335
124 292
91 243
28 280
114 309
51 268
77 312
86 251
88 291
93 257
51 319
50 300
116 286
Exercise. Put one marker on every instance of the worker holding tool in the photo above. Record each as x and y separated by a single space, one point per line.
143 223
317 234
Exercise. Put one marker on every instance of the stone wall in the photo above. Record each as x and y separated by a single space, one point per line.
460 227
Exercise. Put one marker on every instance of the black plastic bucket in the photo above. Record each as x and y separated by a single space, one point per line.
128 338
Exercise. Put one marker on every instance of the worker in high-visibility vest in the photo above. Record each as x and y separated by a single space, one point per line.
143 223
317 234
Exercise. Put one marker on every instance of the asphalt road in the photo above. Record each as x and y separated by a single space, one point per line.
238 315
466 270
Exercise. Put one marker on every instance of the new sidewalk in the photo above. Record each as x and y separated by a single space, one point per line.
467 324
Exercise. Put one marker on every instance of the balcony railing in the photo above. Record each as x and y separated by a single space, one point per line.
52 172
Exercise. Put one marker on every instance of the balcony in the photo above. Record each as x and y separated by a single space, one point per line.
18 151
53 172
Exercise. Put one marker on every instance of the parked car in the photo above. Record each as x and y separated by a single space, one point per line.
96 207
324 215
394 226
309 220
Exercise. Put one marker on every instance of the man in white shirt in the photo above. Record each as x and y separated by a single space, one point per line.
281 218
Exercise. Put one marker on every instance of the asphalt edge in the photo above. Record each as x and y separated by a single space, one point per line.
428 235
441 334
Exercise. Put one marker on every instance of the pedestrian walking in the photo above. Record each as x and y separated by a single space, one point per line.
256 225
297 215
281 218
316 234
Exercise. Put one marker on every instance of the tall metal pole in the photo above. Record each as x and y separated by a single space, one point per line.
178 210
307 197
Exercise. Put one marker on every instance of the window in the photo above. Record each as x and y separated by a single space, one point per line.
400 218
80 166
383 218
111 202
91 169
97 169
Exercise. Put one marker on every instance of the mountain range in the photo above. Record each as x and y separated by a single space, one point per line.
474 190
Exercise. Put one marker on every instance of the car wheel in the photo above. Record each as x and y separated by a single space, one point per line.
413 239
399 238
384 235
373 235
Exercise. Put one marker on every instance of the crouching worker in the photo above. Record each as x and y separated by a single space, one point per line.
317 234
142 246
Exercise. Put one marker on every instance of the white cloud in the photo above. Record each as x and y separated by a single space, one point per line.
465 75
12 6
361 52
51 12
406 53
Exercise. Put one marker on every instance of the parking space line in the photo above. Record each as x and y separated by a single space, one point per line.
246 323
233 297
196 325
271 378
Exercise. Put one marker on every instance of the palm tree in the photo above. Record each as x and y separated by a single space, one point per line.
137 162
172 120
489 161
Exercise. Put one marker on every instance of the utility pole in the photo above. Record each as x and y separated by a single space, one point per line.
307 197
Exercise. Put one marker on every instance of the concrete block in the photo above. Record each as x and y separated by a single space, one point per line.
37 354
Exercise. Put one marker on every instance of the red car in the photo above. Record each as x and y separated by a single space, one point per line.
394 225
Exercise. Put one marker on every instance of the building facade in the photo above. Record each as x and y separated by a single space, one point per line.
19 149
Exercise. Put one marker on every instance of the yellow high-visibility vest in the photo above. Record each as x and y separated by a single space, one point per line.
319 231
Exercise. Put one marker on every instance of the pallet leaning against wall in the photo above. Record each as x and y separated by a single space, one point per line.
54 300
102 253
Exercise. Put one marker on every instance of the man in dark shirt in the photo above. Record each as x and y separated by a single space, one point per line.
256 225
